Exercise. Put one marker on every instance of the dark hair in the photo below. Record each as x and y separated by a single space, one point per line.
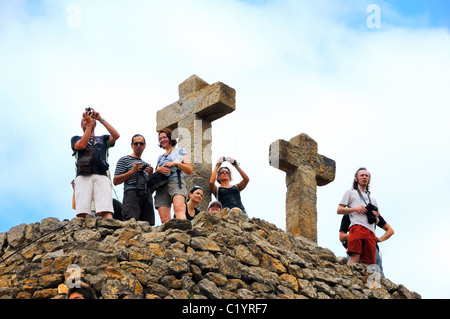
84 290
168 132
136 135
355 182
218 171
195 188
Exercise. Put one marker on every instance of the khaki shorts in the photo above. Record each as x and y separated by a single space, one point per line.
165 194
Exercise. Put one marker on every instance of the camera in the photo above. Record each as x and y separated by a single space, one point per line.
144 166
228 159
370 216
88 109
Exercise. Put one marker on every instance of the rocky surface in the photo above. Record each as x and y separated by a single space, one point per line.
227 256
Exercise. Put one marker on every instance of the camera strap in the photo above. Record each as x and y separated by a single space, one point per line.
360 195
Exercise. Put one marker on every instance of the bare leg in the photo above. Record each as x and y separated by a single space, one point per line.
164 214
353 259
106 215
179 207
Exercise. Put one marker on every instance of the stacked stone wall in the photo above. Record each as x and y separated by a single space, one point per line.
228 256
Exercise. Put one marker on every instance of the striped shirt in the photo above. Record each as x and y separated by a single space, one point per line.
137 181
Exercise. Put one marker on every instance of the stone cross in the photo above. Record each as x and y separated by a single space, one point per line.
190 118
305 170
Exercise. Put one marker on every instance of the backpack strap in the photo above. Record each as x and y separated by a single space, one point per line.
360 195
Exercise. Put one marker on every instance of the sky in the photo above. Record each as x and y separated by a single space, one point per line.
367 80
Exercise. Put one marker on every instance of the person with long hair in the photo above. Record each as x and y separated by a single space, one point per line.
228 195
173 163
361 242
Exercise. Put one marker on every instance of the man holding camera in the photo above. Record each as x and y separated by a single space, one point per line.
134 172
91 153
363 212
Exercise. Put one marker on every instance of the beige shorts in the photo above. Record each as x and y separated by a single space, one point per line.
95 188
165 194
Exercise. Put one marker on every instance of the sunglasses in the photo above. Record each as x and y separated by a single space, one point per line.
139 143
195 188
224 172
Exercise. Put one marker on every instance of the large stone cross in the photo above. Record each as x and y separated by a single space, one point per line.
190 118
305 170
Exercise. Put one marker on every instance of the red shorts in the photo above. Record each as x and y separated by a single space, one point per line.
362 241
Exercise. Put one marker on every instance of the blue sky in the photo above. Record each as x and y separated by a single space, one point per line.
374 97
435 10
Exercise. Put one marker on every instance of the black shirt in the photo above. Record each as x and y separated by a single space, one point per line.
189 217
230 197
101 145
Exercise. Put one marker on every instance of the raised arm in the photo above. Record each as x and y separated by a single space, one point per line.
88 125
114 135
212 179
242 184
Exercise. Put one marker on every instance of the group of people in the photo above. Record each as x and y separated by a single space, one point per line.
92 185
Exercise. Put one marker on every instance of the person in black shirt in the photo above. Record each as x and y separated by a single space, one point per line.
195 198
228 195
91 153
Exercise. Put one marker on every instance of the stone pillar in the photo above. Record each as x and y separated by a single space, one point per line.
191 119
305 170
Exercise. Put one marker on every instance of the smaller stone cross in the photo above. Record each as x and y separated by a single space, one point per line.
305 170
190 118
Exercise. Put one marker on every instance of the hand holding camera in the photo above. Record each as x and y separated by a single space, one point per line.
371 209
140 167
88 115
361 210
147 168
90 112
137 167
229 159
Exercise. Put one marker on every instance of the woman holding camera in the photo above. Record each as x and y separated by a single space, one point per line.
174 163
228 195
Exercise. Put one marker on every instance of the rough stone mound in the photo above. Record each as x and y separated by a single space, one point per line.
228 256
